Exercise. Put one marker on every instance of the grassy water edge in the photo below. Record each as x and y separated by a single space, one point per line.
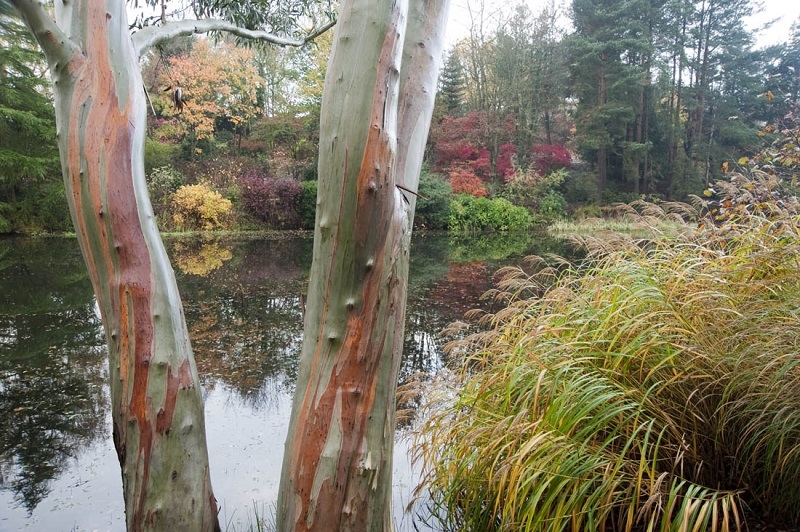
656 386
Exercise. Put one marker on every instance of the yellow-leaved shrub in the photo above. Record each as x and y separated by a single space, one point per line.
198 207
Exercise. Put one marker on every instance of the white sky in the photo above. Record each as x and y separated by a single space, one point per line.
787 10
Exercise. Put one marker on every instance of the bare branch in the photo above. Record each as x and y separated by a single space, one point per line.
58 48
153 35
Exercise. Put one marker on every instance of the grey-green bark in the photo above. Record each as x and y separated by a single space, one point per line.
376 111
157 409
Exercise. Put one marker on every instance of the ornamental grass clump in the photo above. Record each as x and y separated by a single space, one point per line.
655 387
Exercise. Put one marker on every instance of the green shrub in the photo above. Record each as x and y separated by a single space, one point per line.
52 208
308 204
552 206
587 211
433 212
580 186
528 187
198 207
162 182
468 213
310 171
5 224
157 155
43 208
615 196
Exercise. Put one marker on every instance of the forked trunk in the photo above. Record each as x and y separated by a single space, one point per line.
338 460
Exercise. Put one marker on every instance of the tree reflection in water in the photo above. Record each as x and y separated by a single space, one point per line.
52 365
243 300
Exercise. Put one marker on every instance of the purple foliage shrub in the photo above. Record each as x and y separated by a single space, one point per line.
275 201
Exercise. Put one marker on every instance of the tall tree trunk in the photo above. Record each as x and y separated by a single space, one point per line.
157 410
702 67
602 151
676 105
642 107
548 127
338 461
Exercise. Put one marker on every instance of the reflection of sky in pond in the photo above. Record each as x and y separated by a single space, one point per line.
245 445
244 312
86 496
246 448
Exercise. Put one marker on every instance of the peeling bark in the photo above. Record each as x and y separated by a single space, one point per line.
338 459
157 410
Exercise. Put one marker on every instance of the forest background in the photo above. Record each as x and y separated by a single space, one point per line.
539 115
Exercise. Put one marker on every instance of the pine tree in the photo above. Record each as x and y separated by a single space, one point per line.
722 87
610 51
451 84
31 191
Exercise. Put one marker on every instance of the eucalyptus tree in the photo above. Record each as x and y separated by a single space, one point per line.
377 104
157 410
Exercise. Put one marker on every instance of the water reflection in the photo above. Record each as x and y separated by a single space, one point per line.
246 317
52 365
243 301
200 256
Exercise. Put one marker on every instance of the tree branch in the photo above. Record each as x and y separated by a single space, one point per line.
154 35
58 48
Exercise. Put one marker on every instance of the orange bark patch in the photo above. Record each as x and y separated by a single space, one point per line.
175 382
356 357
99 161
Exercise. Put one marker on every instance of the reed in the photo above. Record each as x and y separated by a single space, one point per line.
655 387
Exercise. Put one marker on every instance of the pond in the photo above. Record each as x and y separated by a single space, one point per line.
243 299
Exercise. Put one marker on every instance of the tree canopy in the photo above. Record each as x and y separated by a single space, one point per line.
31 193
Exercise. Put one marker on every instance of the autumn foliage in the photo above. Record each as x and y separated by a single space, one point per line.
216 81
464 181
275 201
548 158
465 141
198 207
506 160
477 146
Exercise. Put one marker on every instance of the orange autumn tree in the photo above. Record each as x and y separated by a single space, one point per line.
464 181
216 81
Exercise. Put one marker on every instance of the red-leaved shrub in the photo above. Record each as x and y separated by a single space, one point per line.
464 181
482 166
547 158
505 160
274 201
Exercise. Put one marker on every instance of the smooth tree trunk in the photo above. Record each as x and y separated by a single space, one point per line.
157 408
376 112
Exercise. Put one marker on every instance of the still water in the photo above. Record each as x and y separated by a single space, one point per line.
243 300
